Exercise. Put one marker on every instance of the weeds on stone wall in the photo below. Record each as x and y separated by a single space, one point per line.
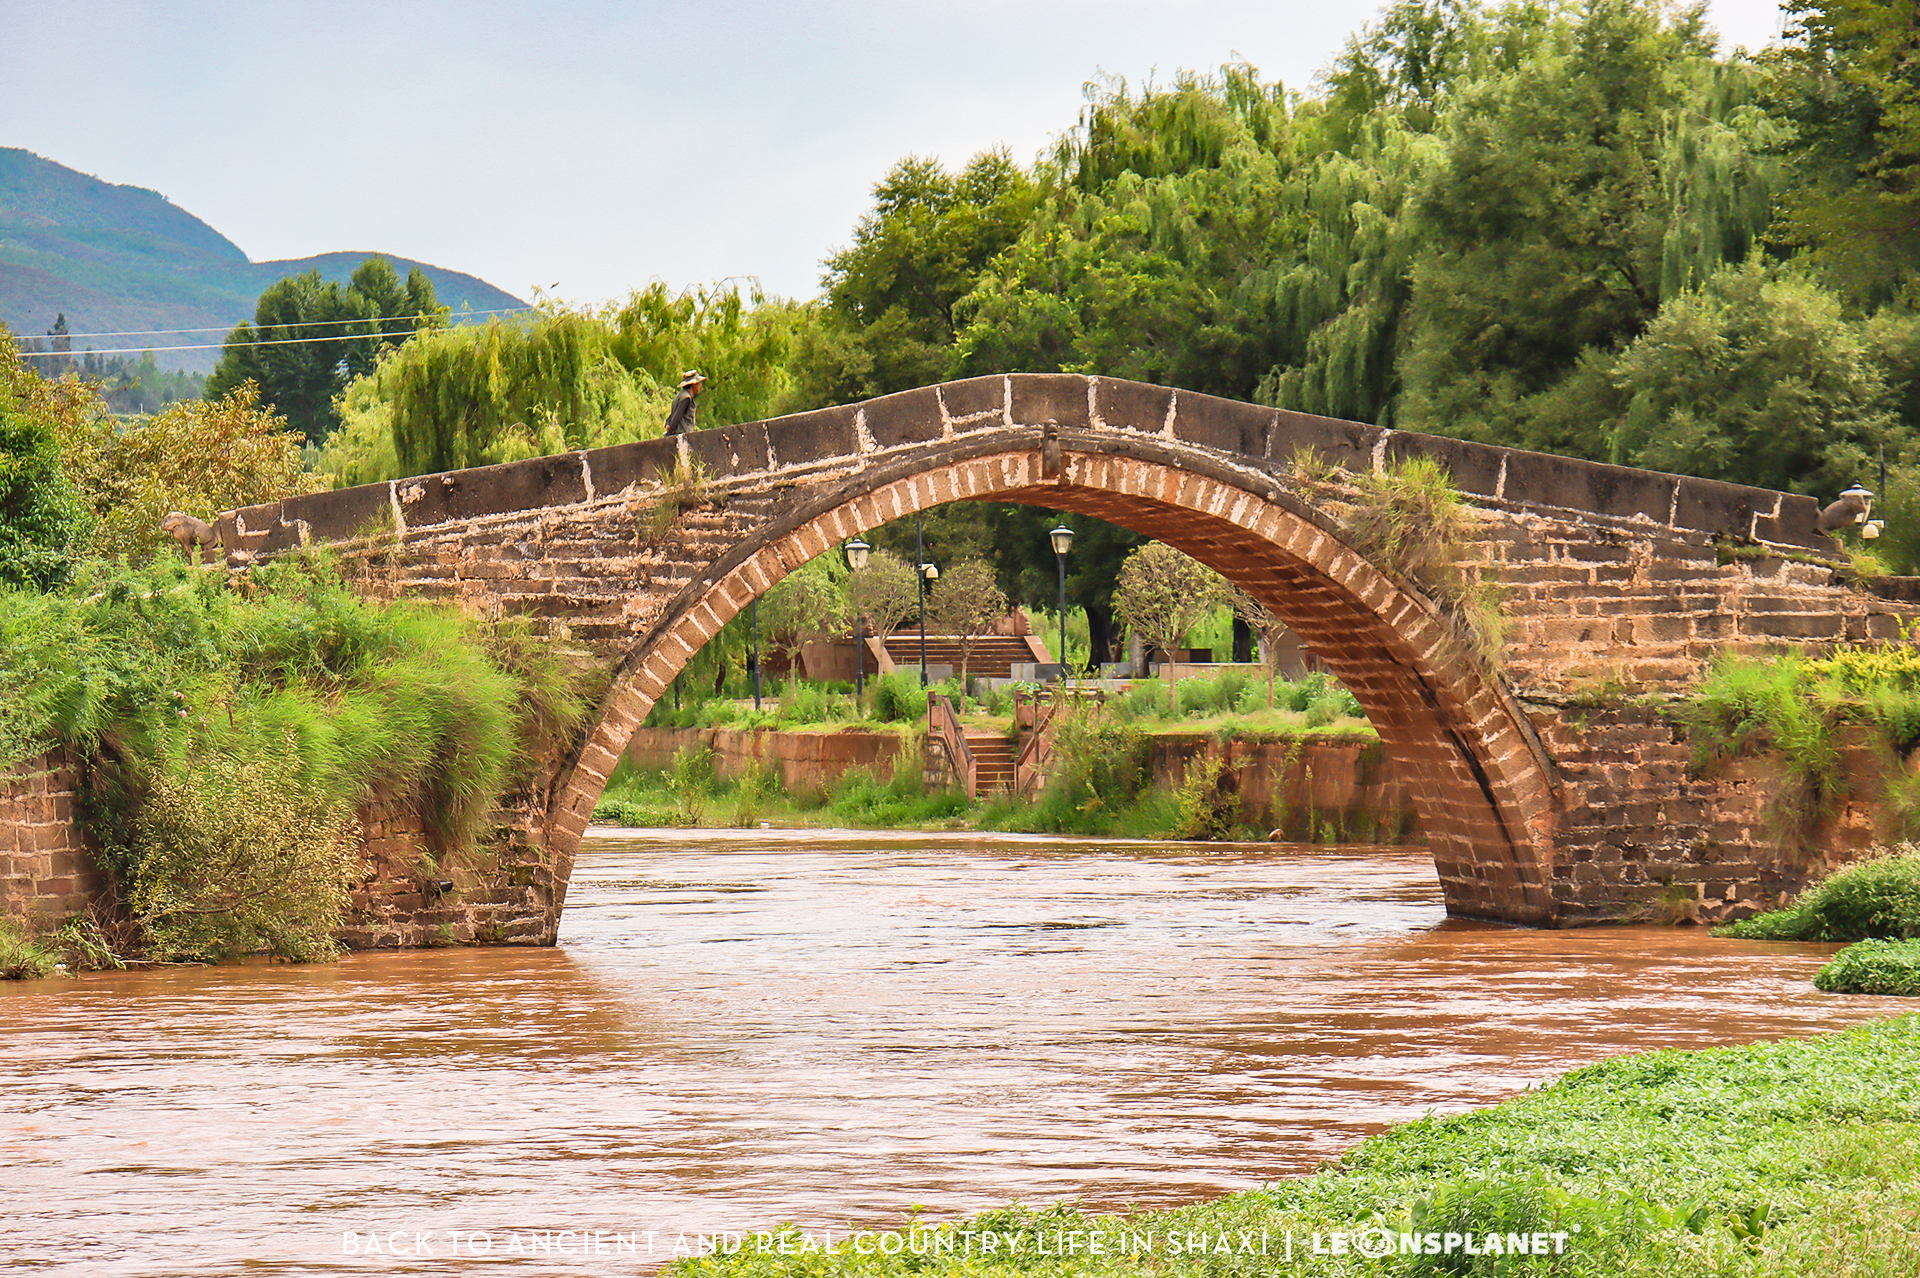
682 488
1791 707
1408 519
280 698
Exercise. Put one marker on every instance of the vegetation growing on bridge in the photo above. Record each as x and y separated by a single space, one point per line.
1774 1160
230 733
1793 708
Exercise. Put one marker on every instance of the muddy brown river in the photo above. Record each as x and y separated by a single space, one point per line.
740 1029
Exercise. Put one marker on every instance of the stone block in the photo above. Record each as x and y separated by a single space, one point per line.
1058 398
804 438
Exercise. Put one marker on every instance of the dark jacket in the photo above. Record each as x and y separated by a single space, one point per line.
680 418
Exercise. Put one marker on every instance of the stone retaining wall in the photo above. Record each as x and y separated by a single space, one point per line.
1320 789
48 871
804 761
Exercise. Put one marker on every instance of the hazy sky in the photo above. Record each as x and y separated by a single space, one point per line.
590 147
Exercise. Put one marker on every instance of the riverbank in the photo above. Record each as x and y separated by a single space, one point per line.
1241 782
1787 1158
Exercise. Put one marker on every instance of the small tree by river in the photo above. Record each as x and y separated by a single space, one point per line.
1162 594
967 603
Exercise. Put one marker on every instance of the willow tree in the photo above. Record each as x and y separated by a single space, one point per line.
562 378
1141 257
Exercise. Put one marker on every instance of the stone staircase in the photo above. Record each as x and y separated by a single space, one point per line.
992 657
992 761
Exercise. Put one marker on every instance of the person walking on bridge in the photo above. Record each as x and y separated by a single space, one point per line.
680 417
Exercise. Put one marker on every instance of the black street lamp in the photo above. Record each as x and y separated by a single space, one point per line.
857 552
1062 543
924 573
753 654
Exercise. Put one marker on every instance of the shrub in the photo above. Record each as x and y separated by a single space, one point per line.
690 780
1873 967
239 856
897 697
804 703
1877 898
1207 809
861 799
1409 520
171 683
632 814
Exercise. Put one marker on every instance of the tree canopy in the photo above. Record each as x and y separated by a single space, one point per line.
310 337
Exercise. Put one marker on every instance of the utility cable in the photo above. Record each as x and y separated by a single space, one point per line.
221 328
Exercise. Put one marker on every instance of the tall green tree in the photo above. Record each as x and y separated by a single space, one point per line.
1139 261
889 316
1612 167
1848 82
43 521
1759 377
561 378
310 337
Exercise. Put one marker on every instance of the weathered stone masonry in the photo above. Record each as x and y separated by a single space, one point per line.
1536 811
47 870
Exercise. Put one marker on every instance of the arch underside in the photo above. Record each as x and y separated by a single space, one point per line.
1477 777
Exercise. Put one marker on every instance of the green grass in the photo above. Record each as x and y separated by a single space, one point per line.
1777 1159
690 795
1874 967
23 957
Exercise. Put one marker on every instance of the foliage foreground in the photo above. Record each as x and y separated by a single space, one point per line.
1789 1158
229 730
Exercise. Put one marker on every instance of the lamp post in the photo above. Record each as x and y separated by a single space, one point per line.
753 655
857 552
1062 543
924 573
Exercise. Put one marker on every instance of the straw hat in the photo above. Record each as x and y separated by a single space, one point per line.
692 377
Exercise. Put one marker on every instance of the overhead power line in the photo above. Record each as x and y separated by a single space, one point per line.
203 346
223 328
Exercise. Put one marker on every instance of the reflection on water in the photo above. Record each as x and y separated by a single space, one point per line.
740 1029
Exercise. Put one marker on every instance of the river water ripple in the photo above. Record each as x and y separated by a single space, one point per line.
742 1028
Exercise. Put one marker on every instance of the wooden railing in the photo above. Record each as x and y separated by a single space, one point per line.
1034 720
943 726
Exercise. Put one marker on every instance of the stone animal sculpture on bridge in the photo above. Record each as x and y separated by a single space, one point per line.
193 535
1540 803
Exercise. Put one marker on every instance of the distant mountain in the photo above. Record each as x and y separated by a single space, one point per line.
119 258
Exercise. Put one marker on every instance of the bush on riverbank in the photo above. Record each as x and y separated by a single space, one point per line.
1873 967
230 731
1776 1159
1872 899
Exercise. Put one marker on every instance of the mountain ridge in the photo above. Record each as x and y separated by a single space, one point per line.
115 258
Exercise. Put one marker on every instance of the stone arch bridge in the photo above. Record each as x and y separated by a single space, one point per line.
1543 801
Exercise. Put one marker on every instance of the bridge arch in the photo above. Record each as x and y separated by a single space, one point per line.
1480 780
